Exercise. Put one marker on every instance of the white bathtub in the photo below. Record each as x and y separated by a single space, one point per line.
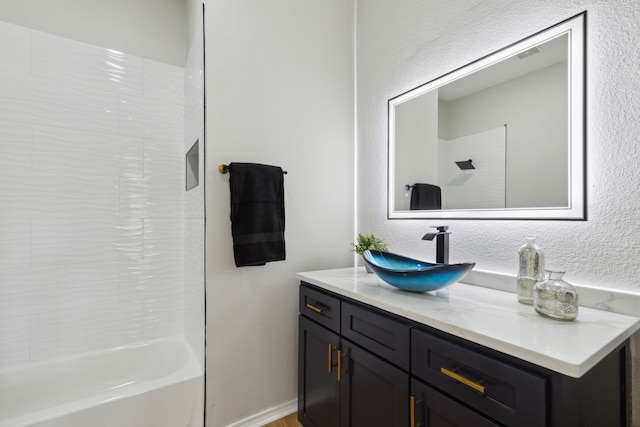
153 384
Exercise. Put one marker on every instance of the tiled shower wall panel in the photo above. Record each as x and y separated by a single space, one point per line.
194 320
91 197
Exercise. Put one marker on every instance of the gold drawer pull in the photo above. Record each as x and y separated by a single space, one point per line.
466 381
330 363
413 401
341 354
317 309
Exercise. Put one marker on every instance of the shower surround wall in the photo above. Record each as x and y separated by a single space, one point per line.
91 197
194 321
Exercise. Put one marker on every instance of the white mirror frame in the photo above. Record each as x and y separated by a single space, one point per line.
575 29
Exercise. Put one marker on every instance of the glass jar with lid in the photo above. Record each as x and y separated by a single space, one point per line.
556 298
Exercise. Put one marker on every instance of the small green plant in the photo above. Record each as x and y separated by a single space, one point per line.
369 241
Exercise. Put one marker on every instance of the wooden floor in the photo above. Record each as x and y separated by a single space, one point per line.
288 421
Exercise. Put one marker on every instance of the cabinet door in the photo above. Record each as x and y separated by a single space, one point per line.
433 409
373 392
318 387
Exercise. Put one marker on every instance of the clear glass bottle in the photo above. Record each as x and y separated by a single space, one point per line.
556 298
530 271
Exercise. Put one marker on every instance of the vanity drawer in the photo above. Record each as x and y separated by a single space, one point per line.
508 394
320 307
380 334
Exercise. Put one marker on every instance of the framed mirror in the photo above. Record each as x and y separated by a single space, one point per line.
500 138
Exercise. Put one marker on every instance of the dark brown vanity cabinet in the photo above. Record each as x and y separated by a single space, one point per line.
360 366
509 395
318 385
341 381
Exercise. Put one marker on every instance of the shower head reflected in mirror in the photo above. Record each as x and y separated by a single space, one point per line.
465 165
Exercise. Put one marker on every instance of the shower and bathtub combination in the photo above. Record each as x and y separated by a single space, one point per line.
155 383
101 244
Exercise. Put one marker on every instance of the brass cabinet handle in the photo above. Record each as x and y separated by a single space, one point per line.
317 309
466 381
413 402
341 354
330 364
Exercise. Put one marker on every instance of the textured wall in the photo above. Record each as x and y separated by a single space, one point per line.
91 197
401 45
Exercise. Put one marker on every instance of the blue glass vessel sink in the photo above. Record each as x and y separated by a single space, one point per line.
413 275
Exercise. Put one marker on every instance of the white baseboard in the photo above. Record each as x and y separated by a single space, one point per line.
267 416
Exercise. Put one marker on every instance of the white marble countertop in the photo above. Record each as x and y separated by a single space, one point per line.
491 318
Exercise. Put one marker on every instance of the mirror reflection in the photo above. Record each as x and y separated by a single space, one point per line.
501 137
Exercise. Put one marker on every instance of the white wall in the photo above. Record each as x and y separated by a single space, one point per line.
416 141
401 45
91 224
154 29
280 90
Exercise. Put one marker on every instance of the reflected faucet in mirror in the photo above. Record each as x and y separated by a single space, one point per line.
442 243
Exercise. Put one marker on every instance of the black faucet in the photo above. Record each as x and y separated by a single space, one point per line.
442 243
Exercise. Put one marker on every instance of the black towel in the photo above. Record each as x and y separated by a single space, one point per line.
425 197
257 213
